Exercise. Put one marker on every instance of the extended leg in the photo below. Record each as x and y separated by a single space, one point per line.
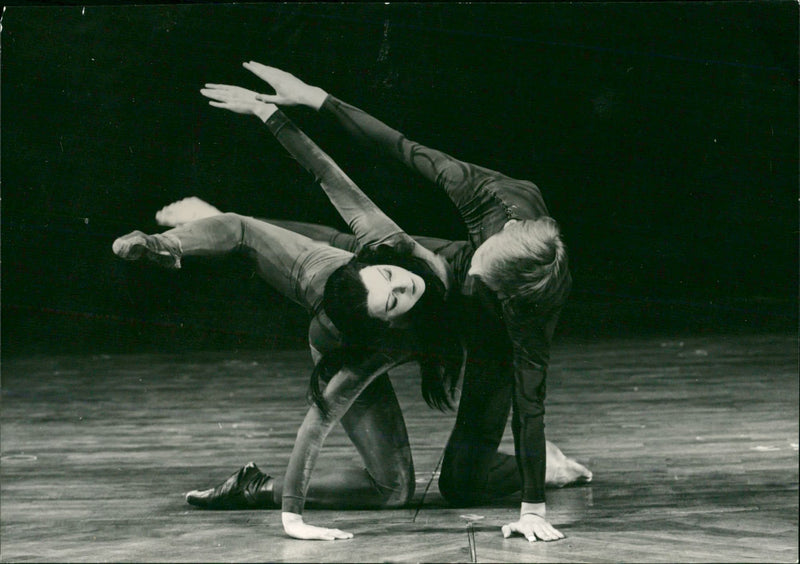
473 470
294 265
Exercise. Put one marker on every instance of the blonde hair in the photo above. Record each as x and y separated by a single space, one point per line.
529 263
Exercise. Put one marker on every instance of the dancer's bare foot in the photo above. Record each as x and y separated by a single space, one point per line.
564 471
184 211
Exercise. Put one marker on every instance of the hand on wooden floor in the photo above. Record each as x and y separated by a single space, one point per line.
532 527
295 527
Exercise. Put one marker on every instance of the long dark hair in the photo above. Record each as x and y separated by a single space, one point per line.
435 339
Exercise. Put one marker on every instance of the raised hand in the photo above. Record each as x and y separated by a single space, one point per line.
289 90
532 527
295 527
238 100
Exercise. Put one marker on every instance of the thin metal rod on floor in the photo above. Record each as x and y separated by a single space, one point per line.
425 493
473 548
473 551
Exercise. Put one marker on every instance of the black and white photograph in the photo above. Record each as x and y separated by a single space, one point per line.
399 282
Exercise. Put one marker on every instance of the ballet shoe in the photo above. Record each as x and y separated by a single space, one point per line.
184 211
249 488
161 249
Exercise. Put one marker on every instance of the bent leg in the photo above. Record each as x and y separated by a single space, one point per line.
504 478
375 425
473 471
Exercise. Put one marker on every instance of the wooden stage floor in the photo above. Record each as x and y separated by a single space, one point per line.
693 445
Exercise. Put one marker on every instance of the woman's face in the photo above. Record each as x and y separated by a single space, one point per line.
391 290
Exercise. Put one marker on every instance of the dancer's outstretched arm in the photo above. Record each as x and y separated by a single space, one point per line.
371 226
486 199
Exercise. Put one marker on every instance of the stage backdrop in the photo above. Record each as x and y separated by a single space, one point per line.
664 137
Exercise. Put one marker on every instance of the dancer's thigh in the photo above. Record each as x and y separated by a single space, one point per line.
471 452
318 232
376 427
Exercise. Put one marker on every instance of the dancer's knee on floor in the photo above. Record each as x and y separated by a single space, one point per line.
398 494
459 491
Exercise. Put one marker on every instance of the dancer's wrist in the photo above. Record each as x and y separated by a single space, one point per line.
265 111
314 97
289 518
538 509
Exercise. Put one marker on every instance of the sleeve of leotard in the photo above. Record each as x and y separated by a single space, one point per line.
531 339
485 199
340 393
371 226
528 429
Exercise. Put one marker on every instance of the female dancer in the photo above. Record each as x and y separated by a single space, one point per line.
514 280
370 314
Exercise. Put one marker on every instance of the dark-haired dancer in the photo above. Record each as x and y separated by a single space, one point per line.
398 315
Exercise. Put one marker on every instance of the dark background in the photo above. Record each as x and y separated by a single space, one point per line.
664 137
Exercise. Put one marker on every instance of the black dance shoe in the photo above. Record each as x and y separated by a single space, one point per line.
249 488
164 250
